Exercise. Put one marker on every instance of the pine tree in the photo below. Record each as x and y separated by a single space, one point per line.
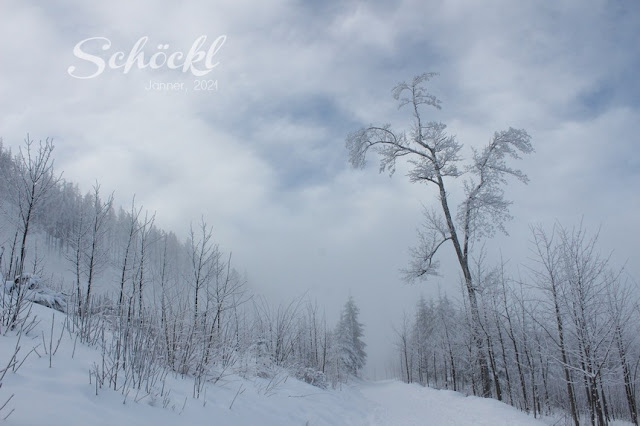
350 347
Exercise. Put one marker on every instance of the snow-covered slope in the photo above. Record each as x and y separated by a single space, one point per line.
62 395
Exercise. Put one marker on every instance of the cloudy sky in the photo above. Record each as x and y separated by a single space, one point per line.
262 156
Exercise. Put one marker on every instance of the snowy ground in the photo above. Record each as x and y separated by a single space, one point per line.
62 395
400 404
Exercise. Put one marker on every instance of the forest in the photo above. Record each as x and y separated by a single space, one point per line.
152 304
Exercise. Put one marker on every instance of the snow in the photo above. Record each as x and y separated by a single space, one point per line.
62 395
398 403
33 292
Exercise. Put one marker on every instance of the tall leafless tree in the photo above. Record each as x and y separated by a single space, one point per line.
435 159
145 230
548 278
132 232
96 257
31 182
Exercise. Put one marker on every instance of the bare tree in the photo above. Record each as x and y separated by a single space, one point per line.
145 230
422 335
435 158
32 181
133 228
619 301
588 280
204 257
77 242
276 327
404 346
549 279
585 319
95 256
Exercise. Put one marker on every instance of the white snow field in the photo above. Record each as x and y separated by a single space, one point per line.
62 395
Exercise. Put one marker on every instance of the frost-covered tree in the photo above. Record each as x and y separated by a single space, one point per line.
435 157
423 331
30 181
582 295
350 347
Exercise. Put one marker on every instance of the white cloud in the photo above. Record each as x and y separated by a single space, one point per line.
263 158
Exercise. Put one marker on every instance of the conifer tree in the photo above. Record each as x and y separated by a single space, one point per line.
351 354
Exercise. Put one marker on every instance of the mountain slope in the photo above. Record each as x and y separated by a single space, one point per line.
62 395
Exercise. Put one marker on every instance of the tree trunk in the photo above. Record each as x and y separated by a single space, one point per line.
496 380
628 380
565 362
25 232
471 292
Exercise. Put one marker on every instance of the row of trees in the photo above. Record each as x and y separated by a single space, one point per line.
562 338
178 304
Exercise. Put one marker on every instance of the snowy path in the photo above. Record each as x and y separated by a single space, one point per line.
397 403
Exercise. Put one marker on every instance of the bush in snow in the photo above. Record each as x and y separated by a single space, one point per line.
311 375
29 287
